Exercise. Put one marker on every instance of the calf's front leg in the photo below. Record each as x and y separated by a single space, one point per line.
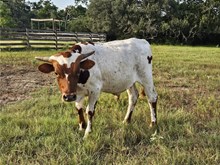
79 107
90 111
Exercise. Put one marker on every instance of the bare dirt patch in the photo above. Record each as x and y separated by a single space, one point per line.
17 82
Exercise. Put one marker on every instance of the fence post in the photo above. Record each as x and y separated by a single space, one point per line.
56 42
27 39
76 37
105 37
90 36
100 37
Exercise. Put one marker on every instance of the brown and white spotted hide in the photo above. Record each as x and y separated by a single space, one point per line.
115 67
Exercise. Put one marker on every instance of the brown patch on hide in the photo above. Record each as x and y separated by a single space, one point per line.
84 76
66 54
154 105
142 93
90 115
81 118
129 117
153 124
92 43
89 42
76 49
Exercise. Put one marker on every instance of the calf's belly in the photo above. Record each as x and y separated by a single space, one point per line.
116 87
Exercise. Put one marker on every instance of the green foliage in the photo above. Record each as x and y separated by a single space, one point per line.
77 21
179 21
169 21
5 16
78 25
123 19
43 130
44 9
15 13
74 12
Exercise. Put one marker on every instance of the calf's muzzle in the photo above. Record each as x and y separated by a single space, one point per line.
69 98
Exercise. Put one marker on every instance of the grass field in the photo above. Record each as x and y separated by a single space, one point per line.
43 130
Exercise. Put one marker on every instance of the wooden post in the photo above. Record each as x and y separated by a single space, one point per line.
53 24
90 36
56 41
65 25
32 24
100 37
59 26
76 37
27 39
104 37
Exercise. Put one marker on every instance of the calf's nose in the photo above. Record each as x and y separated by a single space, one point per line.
69 98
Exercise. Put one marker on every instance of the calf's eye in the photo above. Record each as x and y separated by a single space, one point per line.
56 74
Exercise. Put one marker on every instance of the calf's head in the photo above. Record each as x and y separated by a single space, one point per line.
70 69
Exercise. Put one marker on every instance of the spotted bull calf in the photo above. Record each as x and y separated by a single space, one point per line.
88 69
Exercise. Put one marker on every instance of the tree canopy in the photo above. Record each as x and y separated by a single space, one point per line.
164 21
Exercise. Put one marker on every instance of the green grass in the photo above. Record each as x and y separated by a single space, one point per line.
42 130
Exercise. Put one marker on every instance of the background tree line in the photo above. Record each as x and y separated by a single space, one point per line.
162 21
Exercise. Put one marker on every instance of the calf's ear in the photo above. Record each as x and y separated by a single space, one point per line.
46 68
87 64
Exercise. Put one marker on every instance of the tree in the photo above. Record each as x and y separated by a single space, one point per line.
188 21
123 19
78 25
175 21
73 12
102 18
75 16
181 20
210 18
81 2
44 9
18 11
5 16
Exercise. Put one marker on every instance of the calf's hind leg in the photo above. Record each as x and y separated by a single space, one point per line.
132 99
152 101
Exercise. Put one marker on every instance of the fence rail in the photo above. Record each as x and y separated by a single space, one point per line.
32 38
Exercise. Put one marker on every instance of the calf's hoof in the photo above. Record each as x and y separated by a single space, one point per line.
153 124
82 126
